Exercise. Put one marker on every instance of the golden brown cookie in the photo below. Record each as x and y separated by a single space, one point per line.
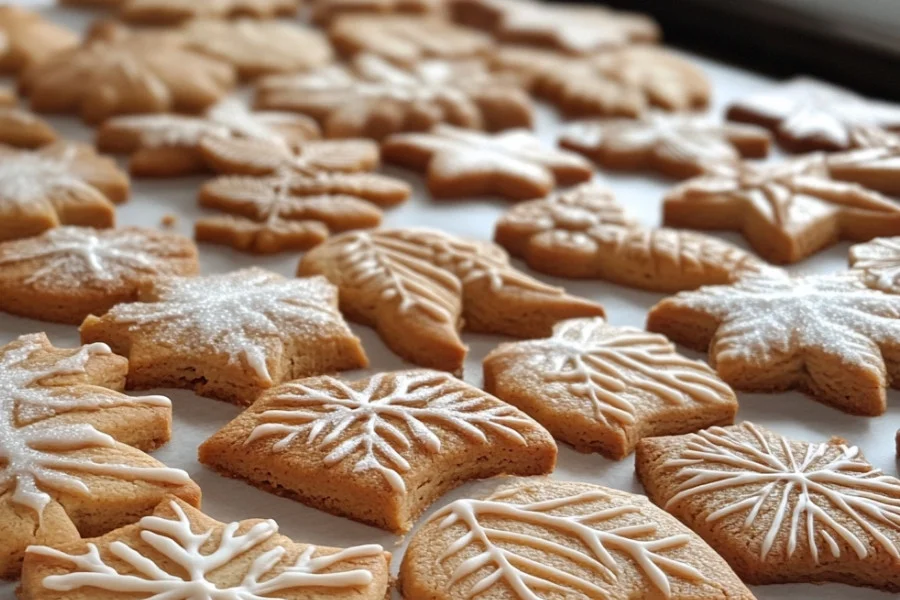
780 510
373 98
829 336
229 336
178 551
461 163
23 129
602 388
876 167
420 287
878 263
379 450
26 39
73 447
62 184
169 145
325 11
245 156
168 12
265 215
552 539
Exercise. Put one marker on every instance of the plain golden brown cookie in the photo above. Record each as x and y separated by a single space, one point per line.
246 156
23 129
378 450
178 550
780 510
573 540
26 38
73 447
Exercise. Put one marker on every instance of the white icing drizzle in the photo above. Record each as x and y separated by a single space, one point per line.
879 261
135 570
33 449
379 425
801 493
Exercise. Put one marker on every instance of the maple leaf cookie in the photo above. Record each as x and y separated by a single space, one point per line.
551 539
371 449
585 233
830 336
787 211
265 215
780 510
68 273
26 38
373 98
420 287
325 11
602 388
62 184
878 262
169 145
229 336
23 129
169 12
460 163
179 552
72 446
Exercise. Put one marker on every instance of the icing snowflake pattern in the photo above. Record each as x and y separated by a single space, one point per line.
30 177
879 263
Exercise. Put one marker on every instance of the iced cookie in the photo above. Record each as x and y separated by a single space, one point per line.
229 336
551 539
780 510
373 98
72 447
178 551
61 184
461 163
602 388
26 39
170 12
68 273
325 11
876 167
378 450
420 287
169 145
265 215
830 336
878 262
22 129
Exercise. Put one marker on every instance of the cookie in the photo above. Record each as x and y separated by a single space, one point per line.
379 450
293 212
169 12
873 167
419 287
780 510
460 163
787 211
61 184
169 145
829 336
878 263
23 129
584 233
807 114
325 11
372 98
228 336
178 551
26 39
73 447
678 146
68 273
543 539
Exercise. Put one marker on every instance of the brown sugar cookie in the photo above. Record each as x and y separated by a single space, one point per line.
553 539
461 163
61 184
23 129
829 336
787 211
73 447
379 450
265 215
807 114
679 146
325 11
68 273
584 233
229 336
780 510
420 287
373 98
602 388
878 262
178 551
169 145
26 39
168 12
876 168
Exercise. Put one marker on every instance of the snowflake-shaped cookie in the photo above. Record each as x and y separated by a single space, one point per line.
229 336
878 262
827 335
71 446
419 287
780 510
26 38
168 12
180 553
382 438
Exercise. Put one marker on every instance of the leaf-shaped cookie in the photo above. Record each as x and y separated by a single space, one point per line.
236 156
418 287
